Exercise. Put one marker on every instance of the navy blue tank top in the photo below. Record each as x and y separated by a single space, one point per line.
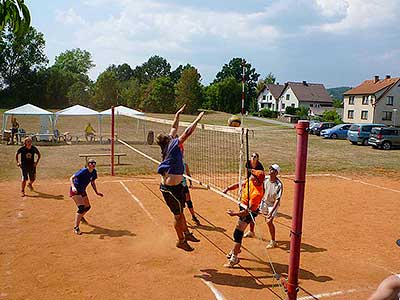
173 162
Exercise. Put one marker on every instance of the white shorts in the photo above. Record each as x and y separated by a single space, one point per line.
267 209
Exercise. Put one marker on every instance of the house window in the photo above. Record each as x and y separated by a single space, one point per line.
364 115
287 96
389 100
283 105
350 114
311 105
365 100
264 97
387 116
292 105
270 97
351 100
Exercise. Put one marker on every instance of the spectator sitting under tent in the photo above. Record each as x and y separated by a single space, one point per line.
89 132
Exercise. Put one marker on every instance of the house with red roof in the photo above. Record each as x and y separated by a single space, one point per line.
373 101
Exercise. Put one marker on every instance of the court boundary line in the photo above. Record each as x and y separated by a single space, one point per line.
137 201
216 292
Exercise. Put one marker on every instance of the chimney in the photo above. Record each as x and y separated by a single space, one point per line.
387 76
376 78
304 82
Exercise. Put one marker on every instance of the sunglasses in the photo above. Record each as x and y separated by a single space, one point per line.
254 156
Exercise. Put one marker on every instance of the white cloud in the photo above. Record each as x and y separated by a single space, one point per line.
144 24
69 17
359 14
332 8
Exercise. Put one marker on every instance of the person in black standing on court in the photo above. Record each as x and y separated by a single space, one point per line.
28 163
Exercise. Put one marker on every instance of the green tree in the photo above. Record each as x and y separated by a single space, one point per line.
189 90
21 53
331 116
22 59
106 90
76 61
130 93
224 95
270 79
123 72
15 14
337 103
154 68
177 73
79 93
235 69
159 96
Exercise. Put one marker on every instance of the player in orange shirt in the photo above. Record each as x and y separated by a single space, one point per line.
252 193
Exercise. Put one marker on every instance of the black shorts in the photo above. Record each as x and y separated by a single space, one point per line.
248 218
174 196
28 171
185 189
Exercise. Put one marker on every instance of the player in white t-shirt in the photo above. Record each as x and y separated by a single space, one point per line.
273 189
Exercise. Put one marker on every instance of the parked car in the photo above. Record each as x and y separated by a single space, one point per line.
384 137
321 126
336 132
312 126
359 133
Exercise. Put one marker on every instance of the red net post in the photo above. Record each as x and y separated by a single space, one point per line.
112 139
298 205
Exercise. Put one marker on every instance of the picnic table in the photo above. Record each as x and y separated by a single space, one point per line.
87 155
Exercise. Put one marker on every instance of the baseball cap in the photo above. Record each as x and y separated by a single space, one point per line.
259 174
276 167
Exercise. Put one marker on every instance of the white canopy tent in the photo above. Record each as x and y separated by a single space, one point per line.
79 110
27 110
122 110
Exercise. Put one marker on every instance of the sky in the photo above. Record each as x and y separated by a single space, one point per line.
334 42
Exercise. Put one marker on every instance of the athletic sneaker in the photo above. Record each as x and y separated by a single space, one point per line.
184 245
249 234
77 231
190 237
234 260
272 244
83 221
194 219
30 186
229 255
22 194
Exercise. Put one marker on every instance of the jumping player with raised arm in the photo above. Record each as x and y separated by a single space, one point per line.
171 170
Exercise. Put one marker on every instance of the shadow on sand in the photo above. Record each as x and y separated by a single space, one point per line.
105 232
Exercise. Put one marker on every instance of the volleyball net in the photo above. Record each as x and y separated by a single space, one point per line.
214 154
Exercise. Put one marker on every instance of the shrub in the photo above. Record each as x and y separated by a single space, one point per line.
267 113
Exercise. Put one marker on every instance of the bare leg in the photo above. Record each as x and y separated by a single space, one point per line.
271 228
178 227
252 225
79 200
23 185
